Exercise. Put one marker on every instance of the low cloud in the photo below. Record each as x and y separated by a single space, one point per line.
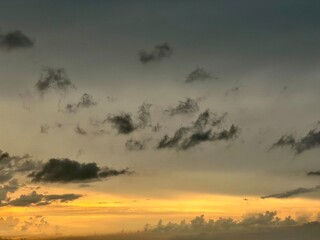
66 170
15 40
158 53
189 106
199 75
308 142
53 78
292 193
35 199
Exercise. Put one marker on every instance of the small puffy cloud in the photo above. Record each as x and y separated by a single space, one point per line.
122 122
199 74
66 170
15 40
189 106
158 53
80 130
85 101
53 78
293 192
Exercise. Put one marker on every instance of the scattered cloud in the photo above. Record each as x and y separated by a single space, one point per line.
44 129
85 101
199 74
80 130
189 106
200 131
35 199
53 78
293 192
314 173
310 141
158 53
66 170
15 40
135 145
122 122
144 115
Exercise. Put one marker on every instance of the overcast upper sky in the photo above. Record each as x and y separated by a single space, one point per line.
143 110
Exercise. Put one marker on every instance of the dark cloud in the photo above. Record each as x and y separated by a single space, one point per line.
310 141
293 192
85 101
159 52
200 131
53 78
199 74
80 130
189 106
11 187
314 173
66 170
135 145
15 40
123 123
35 199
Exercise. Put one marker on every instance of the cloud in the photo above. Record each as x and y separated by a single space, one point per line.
80 130
11 187
310 141
15 40
199 74
66 170
123 123
35 199
53 78
158 53
144 115
135 145
293 192
189 106
85 101
11 165
8 224
200 131
316 173
44 129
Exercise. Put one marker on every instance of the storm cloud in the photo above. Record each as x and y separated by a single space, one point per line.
66 170
158 53
15 40
123 123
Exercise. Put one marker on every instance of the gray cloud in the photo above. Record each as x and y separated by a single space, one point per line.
135 145
85 101
144 115
15 40
199 74
310 141
293 192
314 173
53 78
11 187
35 199
200 131
158 53
189 106
66 170
11 165
122 122
80 130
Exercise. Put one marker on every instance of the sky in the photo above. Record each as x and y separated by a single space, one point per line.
115 114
